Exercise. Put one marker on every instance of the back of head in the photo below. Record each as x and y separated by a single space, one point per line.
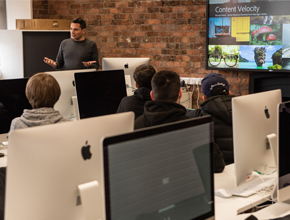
79 21
166 86
42 90
214 84
143 75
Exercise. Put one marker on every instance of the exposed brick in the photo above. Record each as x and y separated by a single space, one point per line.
159 45
146 45
127 10
152 34
167 51
170 2
146 28
142 51
154 21
115 10
166 10
153 10
171 32
109 5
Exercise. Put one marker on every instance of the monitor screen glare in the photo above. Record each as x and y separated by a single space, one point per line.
160 173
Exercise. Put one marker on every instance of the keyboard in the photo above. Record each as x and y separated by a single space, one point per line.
253 187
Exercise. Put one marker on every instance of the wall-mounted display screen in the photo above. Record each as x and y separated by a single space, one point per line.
248 35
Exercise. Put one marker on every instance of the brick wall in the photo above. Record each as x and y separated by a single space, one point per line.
171 32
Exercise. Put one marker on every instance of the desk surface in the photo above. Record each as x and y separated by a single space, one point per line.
229 208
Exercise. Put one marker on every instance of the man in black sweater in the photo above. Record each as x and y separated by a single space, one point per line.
165 108
218 103
76 52
142 75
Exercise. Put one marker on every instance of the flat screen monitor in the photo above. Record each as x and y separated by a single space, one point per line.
65 80
12 103
99 93
48 164
162 172
254 118
283 152
248 35
127 64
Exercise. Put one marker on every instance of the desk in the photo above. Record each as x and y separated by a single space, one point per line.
229 208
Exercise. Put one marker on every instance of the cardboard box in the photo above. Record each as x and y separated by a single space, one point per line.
43 24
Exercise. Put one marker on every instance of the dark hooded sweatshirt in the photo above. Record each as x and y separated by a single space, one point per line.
135 102
161 112
220 108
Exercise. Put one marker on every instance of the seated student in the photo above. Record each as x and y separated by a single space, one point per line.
42 92
164 108
142 75
218 103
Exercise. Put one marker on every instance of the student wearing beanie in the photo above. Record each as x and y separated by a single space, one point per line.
217 102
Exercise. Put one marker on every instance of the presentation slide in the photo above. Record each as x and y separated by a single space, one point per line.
248 35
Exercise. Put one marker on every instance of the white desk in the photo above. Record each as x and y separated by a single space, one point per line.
229 208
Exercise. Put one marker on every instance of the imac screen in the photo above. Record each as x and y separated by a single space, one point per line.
163 172
284 152
12 101
254 117
99 93
48 163
128 64
65 80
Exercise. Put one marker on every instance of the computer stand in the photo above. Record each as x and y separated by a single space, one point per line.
273 143
90 198
75 108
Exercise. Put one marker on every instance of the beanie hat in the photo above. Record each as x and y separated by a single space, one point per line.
211 81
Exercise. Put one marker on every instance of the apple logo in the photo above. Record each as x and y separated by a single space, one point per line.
86 151
126 65
267 112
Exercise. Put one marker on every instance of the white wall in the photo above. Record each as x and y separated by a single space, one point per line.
11 54
18 9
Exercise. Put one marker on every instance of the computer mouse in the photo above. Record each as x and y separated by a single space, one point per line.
223 193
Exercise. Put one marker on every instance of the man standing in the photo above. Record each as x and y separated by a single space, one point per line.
76 52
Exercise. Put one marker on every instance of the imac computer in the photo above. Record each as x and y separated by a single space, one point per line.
12 103
284 152
65 104
99 93
55 171
254 121
161 172
127 64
